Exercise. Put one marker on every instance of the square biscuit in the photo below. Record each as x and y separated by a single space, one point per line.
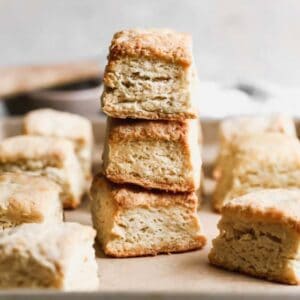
150 74
153 154
260 235
267 160
57 256
233 128
77 129
133 222
28 199
53 158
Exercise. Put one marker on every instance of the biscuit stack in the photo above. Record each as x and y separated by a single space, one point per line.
145 201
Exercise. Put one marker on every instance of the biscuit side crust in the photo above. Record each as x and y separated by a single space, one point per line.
57 256
258 248
232 128
153 154
134 223
268 160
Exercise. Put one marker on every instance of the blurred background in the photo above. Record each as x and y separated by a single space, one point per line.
247 51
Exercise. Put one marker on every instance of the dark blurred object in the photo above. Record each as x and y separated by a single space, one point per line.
252 90
81 98
73 87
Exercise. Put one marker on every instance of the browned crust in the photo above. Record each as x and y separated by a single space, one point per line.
268 214
188 186
162 44
129 196
149 115
71 202
287 280
145 130
198 243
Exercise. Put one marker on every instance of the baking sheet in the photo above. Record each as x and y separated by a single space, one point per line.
185 275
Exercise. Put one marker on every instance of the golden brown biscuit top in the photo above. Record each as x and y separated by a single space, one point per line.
25 195
129 196
49 122
161 44
143 130
55 151
269 205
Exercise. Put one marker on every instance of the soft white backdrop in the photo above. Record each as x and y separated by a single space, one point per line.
234 39
249 41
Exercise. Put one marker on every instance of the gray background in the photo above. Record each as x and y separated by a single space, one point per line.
233 39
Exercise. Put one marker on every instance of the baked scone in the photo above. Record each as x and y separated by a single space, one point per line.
58 256
153 154
133 222
233 128
266 160
28 199
53 158
150 75
260 235
50 122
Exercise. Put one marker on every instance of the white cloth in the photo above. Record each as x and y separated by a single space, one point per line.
218 101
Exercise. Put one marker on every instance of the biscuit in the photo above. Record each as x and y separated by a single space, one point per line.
53 158
28 199
153 154
260 234
150 75
267 160
133 222
233 128
49 122
59 256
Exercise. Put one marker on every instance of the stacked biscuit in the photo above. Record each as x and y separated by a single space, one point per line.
258 193
145 201
41 172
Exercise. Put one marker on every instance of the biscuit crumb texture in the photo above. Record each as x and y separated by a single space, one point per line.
132 222
260 235
149 78
28 199
153 154
267 251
